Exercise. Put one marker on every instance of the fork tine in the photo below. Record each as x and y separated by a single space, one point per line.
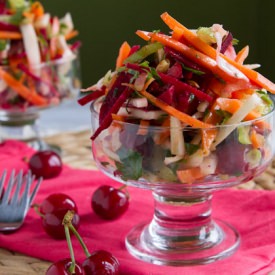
19 181
35 190
10 185
2 181
25 196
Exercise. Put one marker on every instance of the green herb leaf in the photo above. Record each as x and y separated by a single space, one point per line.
3 44
130 166
197 72
17 17
191 148
223 114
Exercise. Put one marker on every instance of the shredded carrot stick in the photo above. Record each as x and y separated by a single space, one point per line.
207 138
194 55
229 104
242 94
193 39
10 35
123 54
143 34
143 129
177 33
22 90
242 55
189 175
189 120
232 105
118 117
71 34
257 140
212 117
37 9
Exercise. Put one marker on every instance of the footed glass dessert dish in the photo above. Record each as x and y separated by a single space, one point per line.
182 230
47 86
39 66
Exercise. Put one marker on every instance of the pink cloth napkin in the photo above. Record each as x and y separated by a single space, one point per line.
251 212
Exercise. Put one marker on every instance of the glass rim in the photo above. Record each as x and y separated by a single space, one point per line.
187 127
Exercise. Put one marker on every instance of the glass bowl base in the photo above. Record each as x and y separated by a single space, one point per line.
222 246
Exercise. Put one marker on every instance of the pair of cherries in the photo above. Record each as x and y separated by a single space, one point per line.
98 262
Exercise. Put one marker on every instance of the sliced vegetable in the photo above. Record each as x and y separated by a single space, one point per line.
194 55
22 90
107 120
209 51
90 97
31 44
174 112
237 117
123 54
142 53
190 175
184 87
242 55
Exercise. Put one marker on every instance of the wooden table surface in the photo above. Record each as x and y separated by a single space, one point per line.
76 152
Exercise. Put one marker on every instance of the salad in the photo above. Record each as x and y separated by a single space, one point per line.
36 58
182 107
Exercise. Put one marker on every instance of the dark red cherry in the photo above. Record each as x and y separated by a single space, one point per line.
109 203
52 223
57 201
46 164
62 268
101 262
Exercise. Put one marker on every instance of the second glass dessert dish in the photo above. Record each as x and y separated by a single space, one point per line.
182 117
39 67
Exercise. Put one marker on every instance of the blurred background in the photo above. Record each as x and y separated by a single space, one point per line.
104 25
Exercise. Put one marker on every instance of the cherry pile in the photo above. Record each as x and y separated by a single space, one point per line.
109 203
52 211
100 262
46 164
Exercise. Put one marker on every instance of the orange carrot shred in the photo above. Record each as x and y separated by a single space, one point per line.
71 34
189 120
143 34
193 39
242 55
189 175
10 35
123 54
22 90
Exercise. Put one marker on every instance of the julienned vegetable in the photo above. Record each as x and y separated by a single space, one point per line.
30 38
190 79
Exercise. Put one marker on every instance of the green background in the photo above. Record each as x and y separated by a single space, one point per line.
104 25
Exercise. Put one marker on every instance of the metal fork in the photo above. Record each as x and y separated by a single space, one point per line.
17 197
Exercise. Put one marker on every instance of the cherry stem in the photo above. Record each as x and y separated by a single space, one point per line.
86 251
36 207
67 221
124 186
68 238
